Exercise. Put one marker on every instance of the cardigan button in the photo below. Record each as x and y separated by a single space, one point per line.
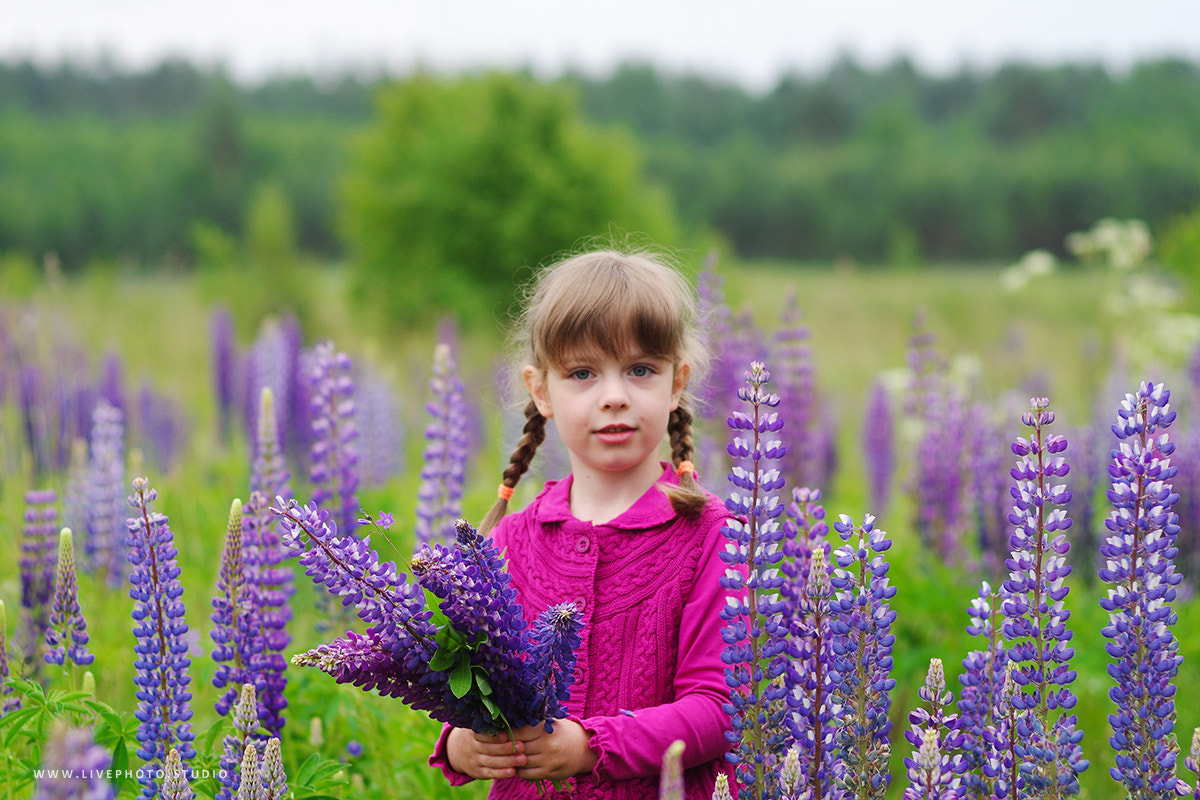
583 544
580 603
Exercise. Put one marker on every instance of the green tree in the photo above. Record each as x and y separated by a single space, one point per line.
462 184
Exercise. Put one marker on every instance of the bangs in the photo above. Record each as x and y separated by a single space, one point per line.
606 309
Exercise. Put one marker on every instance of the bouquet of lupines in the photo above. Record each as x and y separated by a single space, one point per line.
472 661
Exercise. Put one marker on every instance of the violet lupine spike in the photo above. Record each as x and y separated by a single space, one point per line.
755 634
439 496
1192 761
250 775
31 392
160 632
39 540
1035 616
982 679
806 592
334 472
271 365
1139 569
274 779
382 453
237 629
553 640
794 376
66 633
106 495
175 781
986 487
940 488
270 586
74 767
862 642
8 701
245 729
224 359
879 447
268 575
75 496
934 779
716 392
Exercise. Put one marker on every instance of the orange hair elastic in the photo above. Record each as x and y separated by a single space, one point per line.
684 468
505 493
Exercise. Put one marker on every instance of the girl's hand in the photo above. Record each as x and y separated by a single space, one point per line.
555 756
484 756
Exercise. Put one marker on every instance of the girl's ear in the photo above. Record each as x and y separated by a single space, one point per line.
535 382
682 373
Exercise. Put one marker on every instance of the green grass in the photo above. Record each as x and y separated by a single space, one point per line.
1053 338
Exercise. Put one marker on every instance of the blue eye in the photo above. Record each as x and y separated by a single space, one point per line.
580 374
641 371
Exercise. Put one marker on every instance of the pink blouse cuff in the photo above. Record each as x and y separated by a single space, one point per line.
441 760
599 739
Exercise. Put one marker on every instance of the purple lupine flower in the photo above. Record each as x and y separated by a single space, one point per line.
929 778
716 391
982 679
934 768
1002 771
224 359
1192 761
75 496
439 497
66 635
670 781
162 427
73 767
8 702
271 364
160 632
986 487
245 729
31 392
381 455
806 592
39 537
402 653
879 447
274 779
175 781
797 407
334 470
1089 474
939 482
250 780
1139 554
552 645
1035 617
237 630
106 494
269 578
755 634
112 383
862 643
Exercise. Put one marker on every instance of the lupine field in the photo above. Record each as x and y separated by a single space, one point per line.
970 528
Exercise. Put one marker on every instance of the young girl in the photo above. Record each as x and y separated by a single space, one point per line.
631 540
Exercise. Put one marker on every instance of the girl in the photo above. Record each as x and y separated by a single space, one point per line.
633 541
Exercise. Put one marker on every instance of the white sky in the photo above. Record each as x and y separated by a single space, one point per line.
750 41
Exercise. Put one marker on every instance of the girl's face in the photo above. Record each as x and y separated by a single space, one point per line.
611 412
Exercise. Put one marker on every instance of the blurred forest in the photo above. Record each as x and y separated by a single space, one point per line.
177 164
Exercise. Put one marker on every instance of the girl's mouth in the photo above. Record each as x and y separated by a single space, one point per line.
615 434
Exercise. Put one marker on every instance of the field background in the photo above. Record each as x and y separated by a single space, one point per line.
1052 337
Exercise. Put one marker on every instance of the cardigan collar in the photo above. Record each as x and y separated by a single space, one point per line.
653 508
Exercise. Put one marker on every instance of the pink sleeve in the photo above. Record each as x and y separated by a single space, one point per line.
633 746
441 760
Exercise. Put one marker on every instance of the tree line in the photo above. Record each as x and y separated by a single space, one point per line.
883 164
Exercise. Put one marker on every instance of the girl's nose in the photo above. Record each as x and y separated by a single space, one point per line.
614 396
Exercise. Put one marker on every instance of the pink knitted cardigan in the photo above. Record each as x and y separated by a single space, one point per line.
649 667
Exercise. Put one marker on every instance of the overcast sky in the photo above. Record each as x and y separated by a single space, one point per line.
750 41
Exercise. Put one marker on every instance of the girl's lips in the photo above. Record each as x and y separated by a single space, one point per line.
615 434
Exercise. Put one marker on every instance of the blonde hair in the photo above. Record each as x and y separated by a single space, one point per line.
613 303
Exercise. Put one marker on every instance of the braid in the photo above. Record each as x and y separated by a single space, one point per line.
687 498
534 434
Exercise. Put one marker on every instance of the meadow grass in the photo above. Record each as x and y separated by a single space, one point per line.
1052 338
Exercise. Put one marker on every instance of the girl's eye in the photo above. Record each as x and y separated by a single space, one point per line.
641 371
580 374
